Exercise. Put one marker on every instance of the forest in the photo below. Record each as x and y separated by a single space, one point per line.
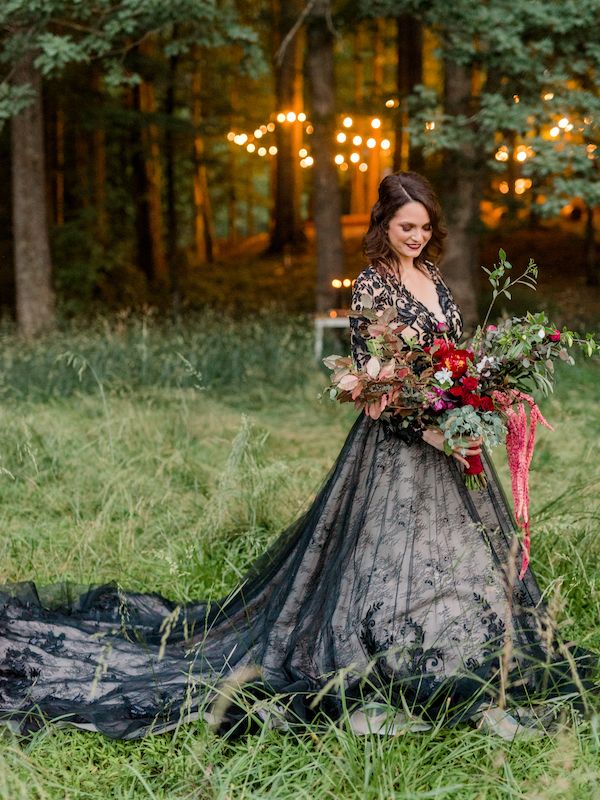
160 154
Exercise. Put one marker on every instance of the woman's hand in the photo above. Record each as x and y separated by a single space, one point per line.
470 446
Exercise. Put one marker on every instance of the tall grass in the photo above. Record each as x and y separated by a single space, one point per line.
115 465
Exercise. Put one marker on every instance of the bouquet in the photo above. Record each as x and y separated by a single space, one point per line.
480 390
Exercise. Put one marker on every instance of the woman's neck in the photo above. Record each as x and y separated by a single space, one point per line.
402 266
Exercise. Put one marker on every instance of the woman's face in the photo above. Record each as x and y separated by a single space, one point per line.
410 229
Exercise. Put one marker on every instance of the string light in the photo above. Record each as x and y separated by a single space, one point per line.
554 131
272 150
502 153
390 103
347 123
302 117
344 167
262 151
562 123
357 140
281 117
231 136
371 143
521 155
309 129
251 147
309 161
339 159
303 152
376 122
336 283
503 187
347 282
385 144
355 158
548 95
290 116
271 127
341 137
430 126
363 167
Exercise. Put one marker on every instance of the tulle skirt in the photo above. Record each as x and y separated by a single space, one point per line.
396 589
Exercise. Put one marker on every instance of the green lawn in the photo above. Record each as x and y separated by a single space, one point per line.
115 467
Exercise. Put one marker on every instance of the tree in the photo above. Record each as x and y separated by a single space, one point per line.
37 44
287 224
35 297
326 194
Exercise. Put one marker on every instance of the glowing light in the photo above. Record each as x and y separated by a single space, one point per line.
516 98
569 127
344 167
554 131
272 150
390 103
371 143
303 152
271 127
347 123
588 120
309 129
591 147
258 133
239 139
251 147
503 187
309 161
376 122
520 186
290 116
502 153
341 137
264 129
385 144
302 117
357 140
336 283
339 159
333 313
548 95
262 151
281 117
430 126
354 158
231 136
521 155
363 167
562 123
347 282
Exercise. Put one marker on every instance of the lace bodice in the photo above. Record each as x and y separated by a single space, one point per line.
386 290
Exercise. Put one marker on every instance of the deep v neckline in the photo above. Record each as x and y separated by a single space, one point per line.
420 303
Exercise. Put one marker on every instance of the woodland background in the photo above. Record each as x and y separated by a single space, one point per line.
173 156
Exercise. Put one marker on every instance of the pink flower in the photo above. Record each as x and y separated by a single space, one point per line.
441 327
491 328
555 336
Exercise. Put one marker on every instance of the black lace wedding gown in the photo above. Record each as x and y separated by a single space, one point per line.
392 588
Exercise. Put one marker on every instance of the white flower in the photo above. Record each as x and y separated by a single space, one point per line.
486 363
541 333
443 376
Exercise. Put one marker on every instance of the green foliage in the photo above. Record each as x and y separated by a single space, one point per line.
64 32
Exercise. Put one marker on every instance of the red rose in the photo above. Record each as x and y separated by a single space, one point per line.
472 400
470 383
457 391
554 336
486 403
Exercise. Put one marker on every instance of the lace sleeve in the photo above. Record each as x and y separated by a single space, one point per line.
369 283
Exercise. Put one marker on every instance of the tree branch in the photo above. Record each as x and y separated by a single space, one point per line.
279 55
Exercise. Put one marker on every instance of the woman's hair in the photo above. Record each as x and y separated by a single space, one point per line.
396 190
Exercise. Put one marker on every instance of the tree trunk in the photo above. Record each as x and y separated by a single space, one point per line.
172 237
409 42
326 193
99 168
287 226
204 234
148 179
461 194
33 265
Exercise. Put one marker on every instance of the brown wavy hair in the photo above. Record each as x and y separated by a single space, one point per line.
396 190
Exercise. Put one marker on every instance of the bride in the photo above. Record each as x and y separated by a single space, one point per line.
391 603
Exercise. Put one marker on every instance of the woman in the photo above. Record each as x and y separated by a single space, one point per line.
396 589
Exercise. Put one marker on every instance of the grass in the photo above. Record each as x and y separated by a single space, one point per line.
114 466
